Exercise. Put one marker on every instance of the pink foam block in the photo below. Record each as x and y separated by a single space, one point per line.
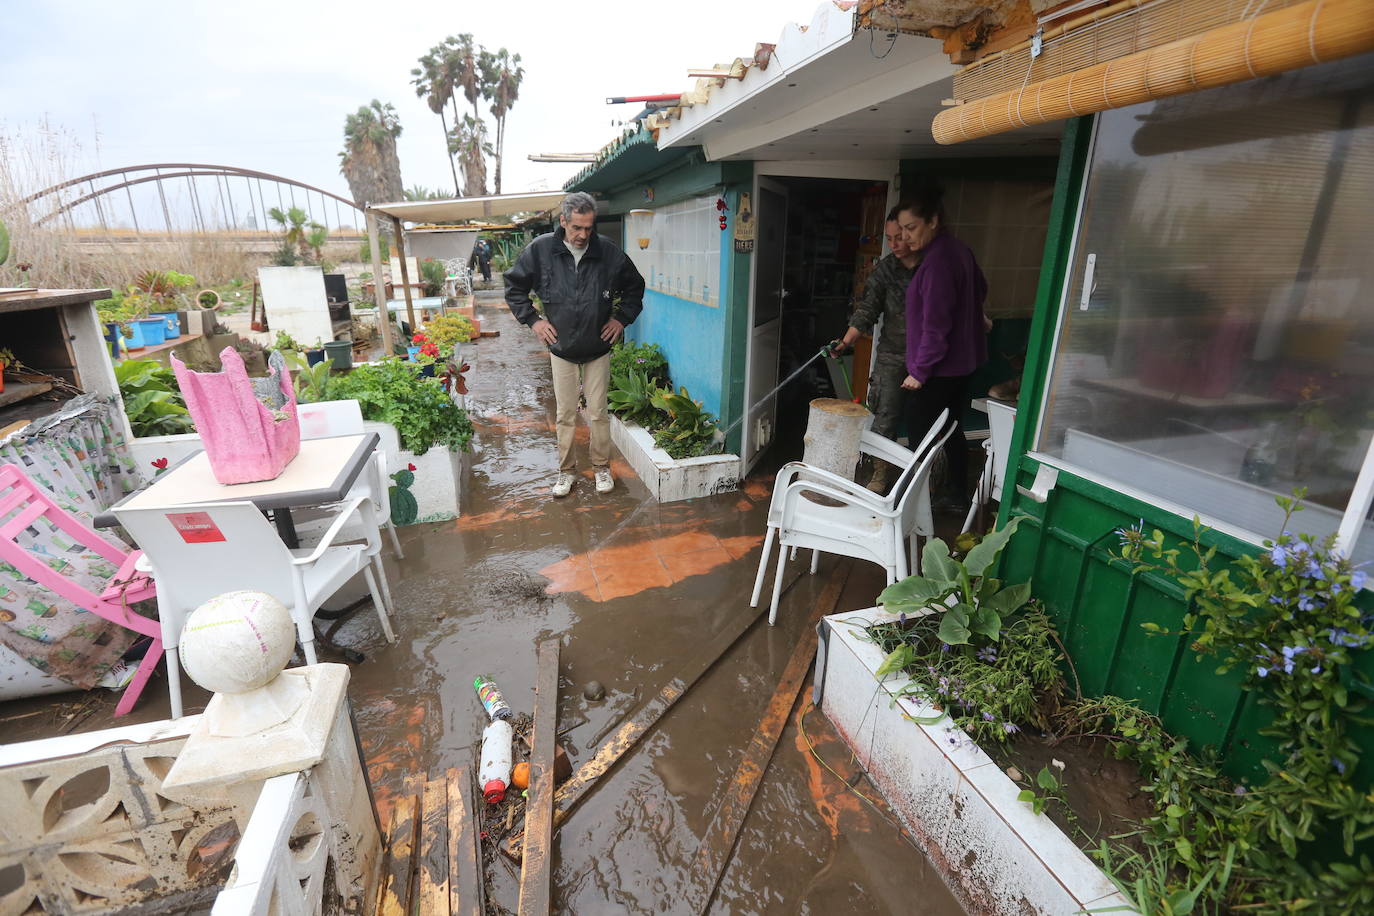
243 440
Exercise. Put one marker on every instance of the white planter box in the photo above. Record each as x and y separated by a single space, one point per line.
996 855
670 479
438 472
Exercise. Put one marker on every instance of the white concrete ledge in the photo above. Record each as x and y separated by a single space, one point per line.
671 479
993 851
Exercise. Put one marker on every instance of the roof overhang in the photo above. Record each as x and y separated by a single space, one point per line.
438 211
831 92
626 160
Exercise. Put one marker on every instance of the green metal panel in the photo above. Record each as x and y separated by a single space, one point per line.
688 176
735 300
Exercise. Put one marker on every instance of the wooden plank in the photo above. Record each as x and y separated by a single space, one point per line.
14 428
21 391
465 868
395 897
433 859
718 843
635 727
535 880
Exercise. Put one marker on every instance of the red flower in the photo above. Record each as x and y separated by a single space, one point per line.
410 467
159 463
419 338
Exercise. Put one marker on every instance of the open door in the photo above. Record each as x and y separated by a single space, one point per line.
765 320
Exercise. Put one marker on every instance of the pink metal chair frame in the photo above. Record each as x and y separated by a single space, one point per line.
18 492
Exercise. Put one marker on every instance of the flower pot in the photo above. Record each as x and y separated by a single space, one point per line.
154 330
171 323
341 351
113 338
314 357
412 352
427 370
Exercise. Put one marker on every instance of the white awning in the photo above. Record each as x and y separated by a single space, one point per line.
432 211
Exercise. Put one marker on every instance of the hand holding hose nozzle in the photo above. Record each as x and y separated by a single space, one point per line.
835 348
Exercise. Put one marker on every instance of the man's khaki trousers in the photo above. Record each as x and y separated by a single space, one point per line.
592 379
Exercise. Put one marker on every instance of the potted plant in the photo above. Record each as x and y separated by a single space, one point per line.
6 360
315 352
286 345
448 330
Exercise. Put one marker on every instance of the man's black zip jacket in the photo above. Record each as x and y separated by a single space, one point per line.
578 299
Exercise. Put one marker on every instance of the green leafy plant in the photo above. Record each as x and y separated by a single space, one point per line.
152 399
632 399
392 391
1048 788
648 359
311 382
432 275
285 343
447 330
969 601
164 287
365 252
690 430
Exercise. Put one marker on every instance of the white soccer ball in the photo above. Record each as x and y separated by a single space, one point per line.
238 641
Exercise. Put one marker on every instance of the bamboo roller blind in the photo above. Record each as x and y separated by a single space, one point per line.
1104 34
1305 33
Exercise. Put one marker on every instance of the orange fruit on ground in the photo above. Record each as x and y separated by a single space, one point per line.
520 776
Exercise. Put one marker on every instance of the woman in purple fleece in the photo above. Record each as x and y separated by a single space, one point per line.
945 333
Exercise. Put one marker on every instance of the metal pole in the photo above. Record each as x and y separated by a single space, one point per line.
405 273
98 210
229 196
130 194
162 196
379 286
195 204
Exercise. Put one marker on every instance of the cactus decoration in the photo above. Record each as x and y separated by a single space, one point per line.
404 509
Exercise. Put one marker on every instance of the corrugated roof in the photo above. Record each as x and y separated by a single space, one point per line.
622 160
437 211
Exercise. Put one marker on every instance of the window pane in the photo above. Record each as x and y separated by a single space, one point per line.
1223 352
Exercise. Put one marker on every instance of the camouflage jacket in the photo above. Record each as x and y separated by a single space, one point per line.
885 296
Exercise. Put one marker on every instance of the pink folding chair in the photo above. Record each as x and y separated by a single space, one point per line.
23 503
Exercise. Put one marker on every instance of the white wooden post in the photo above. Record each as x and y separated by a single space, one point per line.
833 430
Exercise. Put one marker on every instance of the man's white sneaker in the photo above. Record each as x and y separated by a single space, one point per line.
563 485
605 483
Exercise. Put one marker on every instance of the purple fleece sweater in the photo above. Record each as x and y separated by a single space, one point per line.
944 312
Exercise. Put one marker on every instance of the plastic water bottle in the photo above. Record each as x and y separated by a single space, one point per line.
494 774
490 695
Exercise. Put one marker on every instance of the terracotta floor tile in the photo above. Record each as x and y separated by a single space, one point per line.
738 547
631 579
684 542
696 563
619 554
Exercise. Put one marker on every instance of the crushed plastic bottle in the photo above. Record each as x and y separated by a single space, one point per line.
494 774
490 695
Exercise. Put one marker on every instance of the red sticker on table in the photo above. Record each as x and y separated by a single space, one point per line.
196 527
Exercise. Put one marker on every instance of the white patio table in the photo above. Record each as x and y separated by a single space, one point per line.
322 472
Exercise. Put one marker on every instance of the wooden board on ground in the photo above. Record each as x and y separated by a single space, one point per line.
432 858
535 879
465 870
395 885
713 855
634 728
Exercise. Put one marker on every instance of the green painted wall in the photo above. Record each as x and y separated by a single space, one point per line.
1064 548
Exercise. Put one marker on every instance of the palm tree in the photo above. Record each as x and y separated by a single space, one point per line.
469 140
420 192
369 159
294 225
315 240
504 82
433 85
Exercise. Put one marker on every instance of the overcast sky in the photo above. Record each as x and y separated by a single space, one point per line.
266 84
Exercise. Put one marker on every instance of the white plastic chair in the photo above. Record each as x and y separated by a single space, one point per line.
323 419
992 483
241 550
863 525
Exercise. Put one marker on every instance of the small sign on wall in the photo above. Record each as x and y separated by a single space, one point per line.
744 224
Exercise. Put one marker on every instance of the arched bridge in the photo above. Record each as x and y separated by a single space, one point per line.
186 197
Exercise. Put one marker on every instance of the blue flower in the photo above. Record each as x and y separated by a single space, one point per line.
901 619
1306 602
1314 569
1339 765
1279 556
1340 636
1262 671
1357 579
987 654
1239 790
1010 728
989 717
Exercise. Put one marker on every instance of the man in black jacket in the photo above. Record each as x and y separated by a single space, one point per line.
584 310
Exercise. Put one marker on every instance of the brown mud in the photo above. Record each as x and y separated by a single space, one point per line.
631 586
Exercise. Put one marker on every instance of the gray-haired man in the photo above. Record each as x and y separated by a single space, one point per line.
589 291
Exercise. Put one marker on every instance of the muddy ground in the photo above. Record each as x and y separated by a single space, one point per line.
631 586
